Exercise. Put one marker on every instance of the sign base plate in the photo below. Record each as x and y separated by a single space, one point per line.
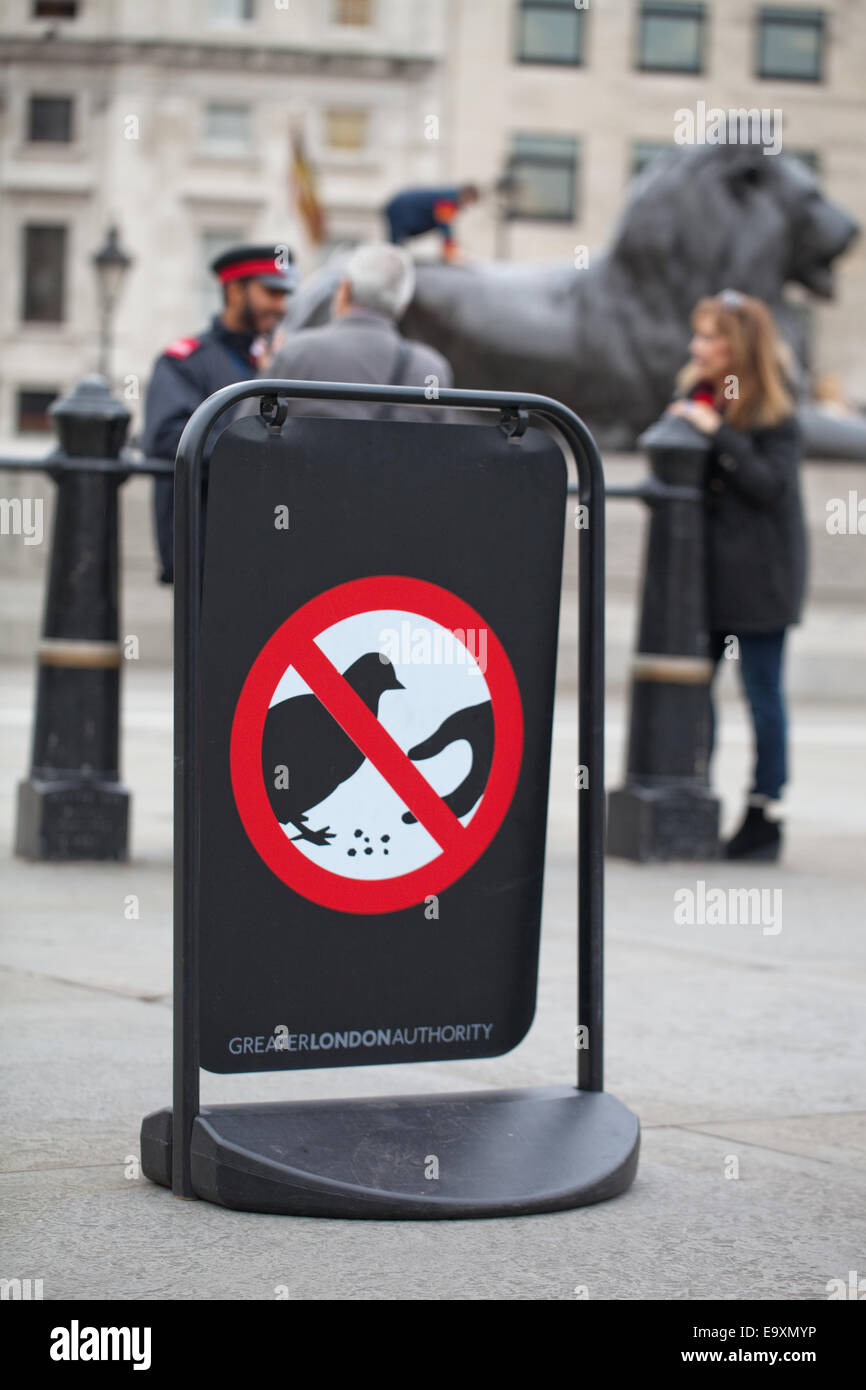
461 1154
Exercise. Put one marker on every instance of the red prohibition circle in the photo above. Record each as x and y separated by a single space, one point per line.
320 885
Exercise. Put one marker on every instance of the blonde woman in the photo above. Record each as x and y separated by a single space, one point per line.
735 391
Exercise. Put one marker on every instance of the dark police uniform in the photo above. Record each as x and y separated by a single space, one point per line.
189 371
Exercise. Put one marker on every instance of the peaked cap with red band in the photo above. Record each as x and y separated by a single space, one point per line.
272 265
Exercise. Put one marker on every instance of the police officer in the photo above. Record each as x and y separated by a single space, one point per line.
255 281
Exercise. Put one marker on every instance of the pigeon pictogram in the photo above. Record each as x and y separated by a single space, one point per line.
301 736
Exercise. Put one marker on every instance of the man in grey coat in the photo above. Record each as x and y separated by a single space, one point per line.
362 342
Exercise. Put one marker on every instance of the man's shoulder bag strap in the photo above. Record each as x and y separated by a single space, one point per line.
395 376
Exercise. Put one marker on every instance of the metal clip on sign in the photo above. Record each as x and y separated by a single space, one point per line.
347 891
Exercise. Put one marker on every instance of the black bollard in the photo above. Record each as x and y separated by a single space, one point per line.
666 809
72 805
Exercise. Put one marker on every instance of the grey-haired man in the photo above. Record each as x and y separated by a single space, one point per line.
362 342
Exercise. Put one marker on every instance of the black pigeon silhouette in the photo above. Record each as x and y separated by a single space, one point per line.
318 755
475 724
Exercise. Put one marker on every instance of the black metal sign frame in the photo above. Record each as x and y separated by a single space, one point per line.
515 411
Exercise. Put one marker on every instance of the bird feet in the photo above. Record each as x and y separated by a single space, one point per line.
315 837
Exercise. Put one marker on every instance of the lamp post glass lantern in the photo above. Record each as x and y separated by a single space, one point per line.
111 263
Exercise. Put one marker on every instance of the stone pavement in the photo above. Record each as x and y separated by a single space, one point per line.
741 1049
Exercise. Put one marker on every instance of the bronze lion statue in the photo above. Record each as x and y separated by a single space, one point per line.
608 340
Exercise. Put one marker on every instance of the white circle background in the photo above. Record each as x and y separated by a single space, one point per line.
438 682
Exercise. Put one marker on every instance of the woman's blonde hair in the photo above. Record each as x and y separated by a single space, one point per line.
760 365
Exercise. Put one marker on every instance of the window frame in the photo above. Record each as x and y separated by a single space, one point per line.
211 147
338 151
22 390
32 99
794 17
363 26
574 169
234 21
524 6
25 318
34 14
689 9
659 149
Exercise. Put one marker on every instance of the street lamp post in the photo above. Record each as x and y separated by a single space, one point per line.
504 190
111 263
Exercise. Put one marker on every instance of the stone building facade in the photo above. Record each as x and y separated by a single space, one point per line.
174 120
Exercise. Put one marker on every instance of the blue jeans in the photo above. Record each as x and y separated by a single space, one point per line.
761 671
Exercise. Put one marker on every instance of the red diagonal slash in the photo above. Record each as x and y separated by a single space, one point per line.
368 735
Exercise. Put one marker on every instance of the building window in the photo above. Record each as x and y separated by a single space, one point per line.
643 152
44 274
791 44
231 11
355 12
55 9
543 170
549 31
346 130
227 129
214 240
50 118
671 36
32 410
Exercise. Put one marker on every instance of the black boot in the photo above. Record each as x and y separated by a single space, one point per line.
757 837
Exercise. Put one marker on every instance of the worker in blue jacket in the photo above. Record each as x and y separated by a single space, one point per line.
420 210
255 281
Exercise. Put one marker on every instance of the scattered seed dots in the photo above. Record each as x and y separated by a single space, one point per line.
384 839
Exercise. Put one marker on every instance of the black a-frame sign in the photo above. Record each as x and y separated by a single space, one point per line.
365 655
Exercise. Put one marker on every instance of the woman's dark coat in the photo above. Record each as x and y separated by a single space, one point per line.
756 536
